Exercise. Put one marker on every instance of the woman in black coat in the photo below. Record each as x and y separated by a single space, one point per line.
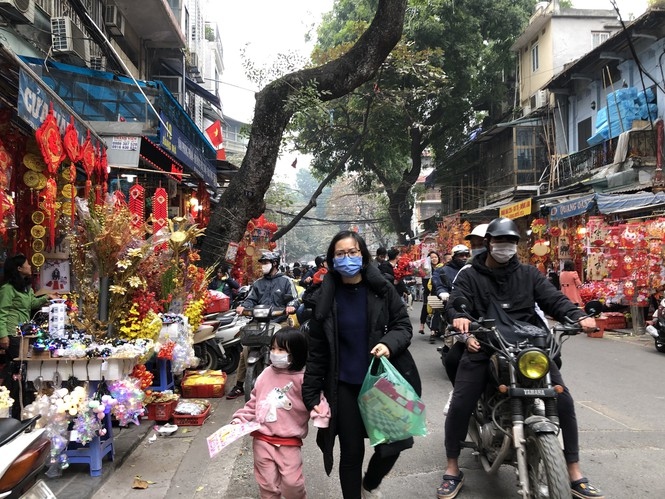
358 315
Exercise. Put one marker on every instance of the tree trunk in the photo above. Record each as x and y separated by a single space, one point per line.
244 197
400 208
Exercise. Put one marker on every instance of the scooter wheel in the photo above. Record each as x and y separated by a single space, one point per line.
230 364
660 346
208 357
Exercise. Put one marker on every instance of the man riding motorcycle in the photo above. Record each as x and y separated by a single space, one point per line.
275 289
497 286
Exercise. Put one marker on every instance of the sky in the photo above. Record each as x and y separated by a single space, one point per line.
266 28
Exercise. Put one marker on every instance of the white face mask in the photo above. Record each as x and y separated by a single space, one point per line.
280 360
266 268
502 252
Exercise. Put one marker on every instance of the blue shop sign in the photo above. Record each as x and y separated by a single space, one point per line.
34 99
175 143
571 208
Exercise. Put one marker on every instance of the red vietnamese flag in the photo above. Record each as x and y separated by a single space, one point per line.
221 154
214 131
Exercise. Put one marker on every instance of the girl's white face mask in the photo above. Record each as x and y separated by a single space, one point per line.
280 360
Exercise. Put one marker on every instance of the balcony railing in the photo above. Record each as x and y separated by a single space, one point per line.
579 165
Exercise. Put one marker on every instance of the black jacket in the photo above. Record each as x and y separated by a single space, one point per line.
388 323
516 288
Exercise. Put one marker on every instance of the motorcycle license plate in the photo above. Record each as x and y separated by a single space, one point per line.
39 491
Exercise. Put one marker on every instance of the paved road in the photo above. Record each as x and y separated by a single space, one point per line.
617 383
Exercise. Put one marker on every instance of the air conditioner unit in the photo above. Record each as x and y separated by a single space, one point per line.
19 11
114 20
97 62
526 110
541 98
67 37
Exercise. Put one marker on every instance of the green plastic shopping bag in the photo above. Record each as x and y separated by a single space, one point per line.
390 407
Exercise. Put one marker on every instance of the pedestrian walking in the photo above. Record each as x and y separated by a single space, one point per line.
358 315
276 403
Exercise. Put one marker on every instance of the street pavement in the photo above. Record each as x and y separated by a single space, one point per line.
616 382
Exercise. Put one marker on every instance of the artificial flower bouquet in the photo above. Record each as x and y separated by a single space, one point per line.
6 402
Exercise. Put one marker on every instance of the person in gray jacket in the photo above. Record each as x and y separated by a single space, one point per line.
274 289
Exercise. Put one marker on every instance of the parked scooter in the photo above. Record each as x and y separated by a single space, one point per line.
257 335
217 342
24 452
657 327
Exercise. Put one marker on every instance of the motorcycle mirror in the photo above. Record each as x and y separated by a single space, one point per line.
594 307
461 304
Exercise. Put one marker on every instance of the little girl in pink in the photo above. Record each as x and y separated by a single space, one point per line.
276 403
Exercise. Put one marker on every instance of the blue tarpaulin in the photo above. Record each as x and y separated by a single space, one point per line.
608 203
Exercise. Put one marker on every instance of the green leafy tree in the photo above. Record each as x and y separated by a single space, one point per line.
442 79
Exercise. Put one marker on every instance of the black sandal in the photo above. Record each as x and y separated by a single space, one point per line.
583 489
450 486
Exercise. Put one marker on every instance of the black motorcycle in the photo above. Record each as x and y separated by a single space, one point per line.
257 336
516 420
657 327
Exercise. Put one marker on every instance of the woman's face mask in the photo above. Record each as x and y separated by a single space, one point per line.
348 266
502 252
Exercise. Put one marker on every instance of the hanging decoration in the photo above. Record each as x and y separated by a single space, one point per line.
159 209
50 192
50 142
6 202
137 204
104 170
88 160
72 145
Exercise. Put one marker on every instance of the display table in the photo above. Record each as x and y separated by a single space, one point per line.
92 370
84 369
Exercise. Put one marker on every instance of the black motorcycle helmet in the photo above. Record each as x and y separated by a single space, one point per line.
269 256
502 227
319 261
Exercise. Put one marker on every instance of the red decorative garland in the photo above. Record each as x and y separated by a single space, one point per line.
72 145
159 209
137 204
50 142
88 159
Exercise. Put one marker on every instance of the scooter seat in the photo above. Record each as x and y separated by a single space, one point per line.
10 428
226 320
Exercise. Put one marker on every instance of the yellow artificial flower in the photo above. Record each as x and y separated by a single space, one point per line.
135 281
118 290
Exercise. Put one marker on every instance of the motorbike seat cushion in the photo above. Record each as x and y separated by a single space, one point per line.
10 428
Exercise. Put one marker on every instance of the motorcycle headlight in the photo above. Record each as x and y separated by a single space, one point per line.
261 312
533 364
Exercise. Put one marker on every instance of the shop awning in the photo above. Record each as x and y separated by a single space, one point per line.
23 88
160 159
620 203
492 208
